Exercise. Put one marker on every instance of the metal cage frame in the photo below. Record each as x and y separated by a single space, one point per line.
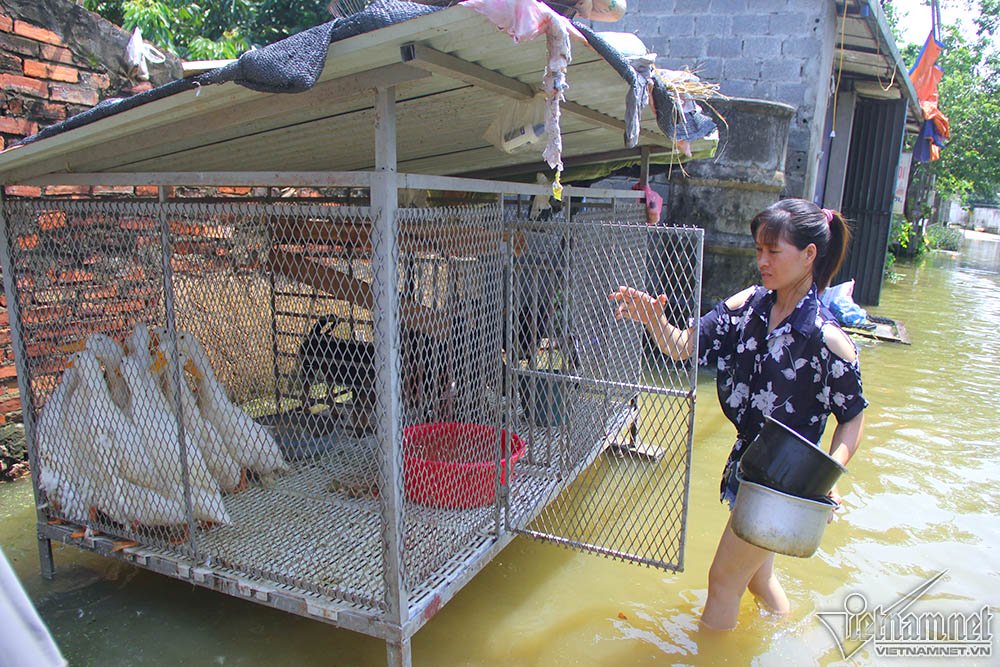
564 255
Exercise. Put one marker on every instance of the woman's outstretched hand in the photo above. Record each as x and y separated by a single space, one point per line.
638 306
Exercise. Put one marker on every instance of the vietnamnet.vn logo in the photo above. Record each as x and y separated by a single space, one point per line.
894 631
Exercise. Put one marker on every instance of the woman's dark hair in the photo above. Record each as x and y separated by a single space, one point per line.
801 222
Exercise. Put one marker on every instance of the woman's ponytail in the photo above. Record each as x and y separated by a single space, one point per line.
829 262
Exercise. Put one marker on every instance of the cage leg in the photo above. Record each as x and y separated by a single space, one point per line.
398 653
48 566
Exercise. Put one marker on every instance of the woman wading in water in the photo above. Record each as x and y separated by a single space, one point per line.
777 352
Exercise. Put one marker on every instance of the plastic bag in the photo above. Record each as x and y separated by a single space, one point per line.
518 125
840 300
137 52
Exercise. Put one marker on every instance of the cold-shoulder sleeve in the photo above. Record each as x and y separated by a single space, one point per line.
843 380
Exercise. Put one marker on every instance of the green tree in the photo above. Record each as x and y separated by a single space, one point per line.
969 94
213 29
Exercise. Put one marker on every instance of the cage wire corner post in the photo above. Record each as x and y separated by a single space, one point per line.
384 198
46 562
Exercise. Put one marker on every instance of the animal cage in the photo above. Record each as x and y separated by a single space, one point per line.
423 415
345 406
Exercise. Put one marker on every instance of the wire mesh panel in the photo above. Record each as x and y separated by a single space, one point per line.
187 393
88 276
454 449
273 312
607 421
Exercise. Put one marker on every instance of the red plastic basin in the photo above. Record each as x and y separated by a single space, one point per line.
453 465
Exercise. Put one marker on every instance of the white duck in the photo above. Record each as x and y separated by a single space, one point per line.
113 426
226 470
110 354
160 430
55 448
137 344
248 442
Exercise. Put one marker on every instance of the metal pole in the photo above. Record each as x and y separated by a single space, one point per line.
168 304
644 167
386 319
23 386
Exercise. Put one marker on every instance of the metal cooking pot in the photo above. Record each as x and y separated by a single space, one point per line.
784 460
779 522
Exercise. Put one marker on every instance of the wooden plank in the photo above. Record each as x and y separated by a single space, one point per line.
445 64
482 77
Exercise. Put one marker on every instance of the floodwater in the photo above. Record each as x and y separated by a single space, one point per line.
921 498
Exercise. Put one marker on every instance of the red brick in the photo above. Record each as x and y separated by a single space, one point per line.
10 63
23 84
40 34
136 224
56 54
3 142
14 44
135 274
19 126
112 189
140 87
49 220
23 191
29 242
146 191
39 349
8 371
98 293
15 107
4 318
44 314
45 111
50 295
5 336
111 307
67 190
230 190
13 405
60 92
101 81
6 23
181 227
75 276
40 70
145 291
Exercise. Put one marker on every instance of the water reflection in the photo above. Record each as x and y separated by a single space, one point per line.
920 498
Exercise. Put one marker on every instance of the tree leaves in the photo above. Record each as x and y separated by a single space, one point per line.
213 29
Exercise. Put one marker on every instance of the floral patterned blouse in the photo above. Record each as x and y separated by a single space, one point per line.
789 374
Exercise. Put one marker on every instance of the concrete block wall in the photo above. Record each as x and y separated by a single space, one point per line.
775 50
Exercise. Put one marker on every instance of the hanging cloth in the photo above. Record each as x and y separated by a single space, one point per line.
925 75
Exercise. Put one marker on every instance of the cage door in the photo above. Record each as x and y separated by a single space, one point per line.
607 417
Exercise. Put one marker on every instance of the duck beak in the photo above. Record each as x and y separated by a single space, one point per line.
76 346
159 363
192 369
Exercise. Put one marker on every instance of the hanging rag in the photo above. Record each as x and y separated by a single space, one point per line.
925 76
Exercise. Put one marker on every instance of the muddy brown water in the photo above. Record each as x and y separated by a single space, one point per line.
921 497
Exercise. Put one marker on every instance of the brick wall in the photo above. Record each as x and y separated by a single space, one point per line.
56 60
776 50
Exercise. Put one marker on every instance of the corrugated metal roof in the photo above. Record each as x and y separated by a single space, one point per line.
440 119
